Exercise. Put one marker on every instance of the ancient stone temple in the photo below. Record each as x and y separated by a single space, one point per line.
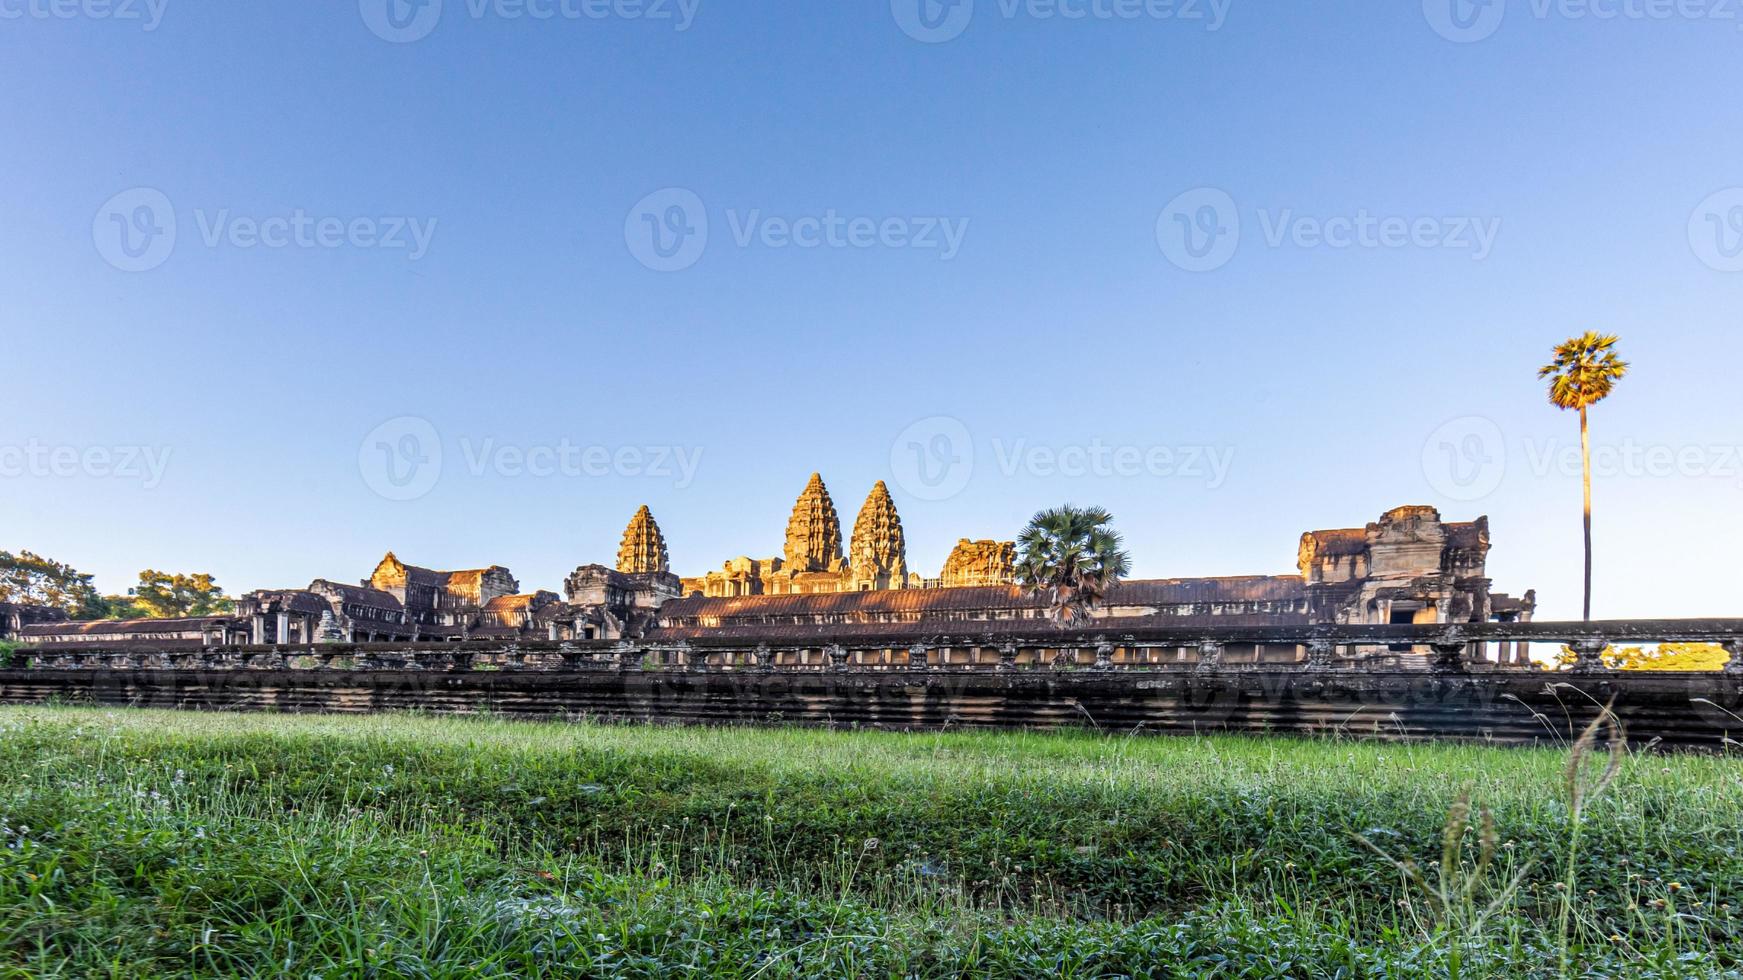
814 532
974 563
813 562
16 616
878 557
1407 567
643 550
612 603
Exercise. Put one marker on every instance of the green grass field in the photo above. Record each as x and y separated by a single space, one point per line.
138 844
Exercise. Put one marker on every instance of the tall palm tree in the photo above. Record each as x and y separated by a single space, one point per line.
1072 556
1584 372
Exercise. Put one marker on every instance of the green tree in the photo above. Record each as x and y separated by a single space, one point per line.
1584 372
165 596
1072 556
31 579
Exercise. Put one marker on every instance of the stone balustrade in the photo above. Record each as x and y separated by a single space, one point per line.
1002 647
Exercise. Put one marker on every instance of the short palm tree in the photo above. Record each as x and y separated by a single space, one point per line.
1072 556
1584 372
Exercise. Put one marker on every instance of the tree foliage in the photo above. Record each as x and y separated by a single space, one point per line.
1072 556
1584 372
1665 656
165 595
30 579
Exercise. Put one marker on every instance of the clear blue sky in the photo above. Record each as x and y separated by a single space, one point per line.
1059 320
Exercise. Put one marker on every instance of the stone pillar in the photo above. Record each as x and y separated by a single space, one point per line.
1007 656
258 634
284 627
1104 656
1589 655
917 659
1321 655
1210 655
1449 655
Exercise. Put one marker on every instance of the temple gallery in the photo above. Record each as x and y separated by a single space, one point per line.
1409 566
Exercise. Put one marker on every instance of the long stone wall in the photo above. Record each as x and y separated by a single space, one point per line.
1514 707
1342 680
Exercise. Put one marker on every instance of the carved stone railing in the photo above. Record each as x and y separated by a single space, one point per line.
967 646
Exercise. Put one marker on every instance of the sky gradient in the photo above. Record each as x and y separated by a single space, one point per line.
1259 267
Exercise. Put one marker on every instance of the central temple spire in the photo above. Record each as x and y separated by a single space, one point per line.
879 549
814 531
643 550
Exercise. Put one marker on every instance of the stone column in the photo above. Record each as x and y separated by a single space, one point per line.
1589 655
284 627
258 635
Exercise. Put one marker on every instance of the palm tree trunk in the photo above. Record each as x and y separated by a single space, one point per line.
1586 458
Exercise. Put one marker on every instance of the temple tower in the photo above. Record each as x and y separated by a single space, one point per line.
980 563
643 550
879 552
814 531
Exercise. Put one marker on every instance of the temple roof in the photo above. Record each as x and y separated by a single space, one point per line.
988 598
361 595
878 542
105 627
814 530
643 550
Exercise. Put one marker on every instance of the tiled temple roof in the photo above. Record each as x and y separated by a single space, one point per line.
106 627
992 599
361 595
